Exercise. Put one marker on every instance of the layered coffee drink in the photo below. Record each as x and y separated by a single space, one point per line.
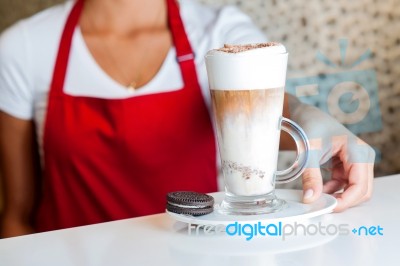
247 90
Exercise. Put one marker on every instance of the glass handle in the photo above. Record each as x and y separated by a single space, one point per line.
303 147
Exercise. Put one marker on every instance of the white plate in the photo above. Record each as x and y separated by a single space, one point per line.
294 211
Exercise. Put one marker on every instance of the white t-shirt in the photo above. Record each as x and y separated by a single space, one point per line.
28 50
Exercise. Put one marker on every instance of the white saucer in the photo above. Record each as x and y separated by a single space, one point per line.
294 211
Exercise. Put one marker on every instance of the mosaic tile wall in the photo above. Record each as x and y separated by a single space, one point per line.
369 29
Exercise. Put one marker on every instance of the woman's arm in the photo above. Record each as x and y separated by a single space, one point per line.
18 167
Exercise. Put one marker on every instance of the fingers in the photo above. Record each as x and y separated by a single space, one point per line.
312 184
358 162
352 170
312 178
332 186
359 186
337 172
368 195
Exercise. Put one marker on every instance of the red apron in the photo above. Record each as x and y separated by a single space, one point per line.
109 159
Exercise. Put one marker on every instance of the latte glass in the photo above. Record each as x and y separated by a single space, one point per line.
247 90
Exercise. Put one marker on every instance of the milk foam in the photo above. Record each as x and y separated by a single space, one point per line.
258 68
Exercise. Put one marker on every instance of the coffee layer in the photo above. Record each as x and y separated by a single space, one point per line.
247 123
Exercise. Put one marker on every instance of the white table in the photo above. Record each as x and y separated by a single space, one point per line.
158 240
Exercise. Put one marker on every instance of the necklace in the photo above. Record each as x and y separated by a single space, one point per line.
131 85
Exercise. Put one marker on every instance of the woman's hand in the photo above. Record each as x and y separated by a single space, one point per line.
348 158
351 167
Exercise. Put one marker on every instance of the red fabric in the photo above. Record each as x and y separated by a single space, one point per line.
108 159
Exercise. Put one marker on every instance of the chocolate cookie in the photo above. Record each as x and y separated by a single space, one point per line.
190 203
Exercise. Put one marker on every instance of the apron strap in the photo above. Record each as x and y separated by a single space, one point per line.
61 64
184 53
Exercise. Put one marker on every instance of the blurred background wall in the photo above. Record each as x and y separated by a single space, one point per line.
326 40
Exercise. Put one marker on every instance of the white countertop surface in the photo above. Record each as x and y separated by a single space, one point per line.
159 240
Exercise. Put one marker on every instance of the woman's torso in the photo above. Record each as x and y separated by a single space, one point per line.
206 28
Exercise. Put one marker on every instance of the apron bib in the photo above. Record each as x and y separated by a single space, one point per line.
109 159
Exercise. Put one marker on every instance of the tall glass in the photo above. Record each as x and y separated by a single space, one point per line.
247 89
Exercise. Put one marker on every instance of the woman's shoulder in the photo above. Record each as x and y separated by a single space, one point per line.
27 51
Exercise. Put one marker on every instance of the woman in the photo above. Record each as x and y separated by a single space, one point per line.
117 95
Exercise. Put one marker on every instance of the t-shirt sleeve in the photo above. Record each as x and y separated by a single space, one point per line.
233 26
16 92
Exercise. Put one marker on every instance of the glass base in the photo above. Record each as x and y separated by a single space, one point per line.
251 205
